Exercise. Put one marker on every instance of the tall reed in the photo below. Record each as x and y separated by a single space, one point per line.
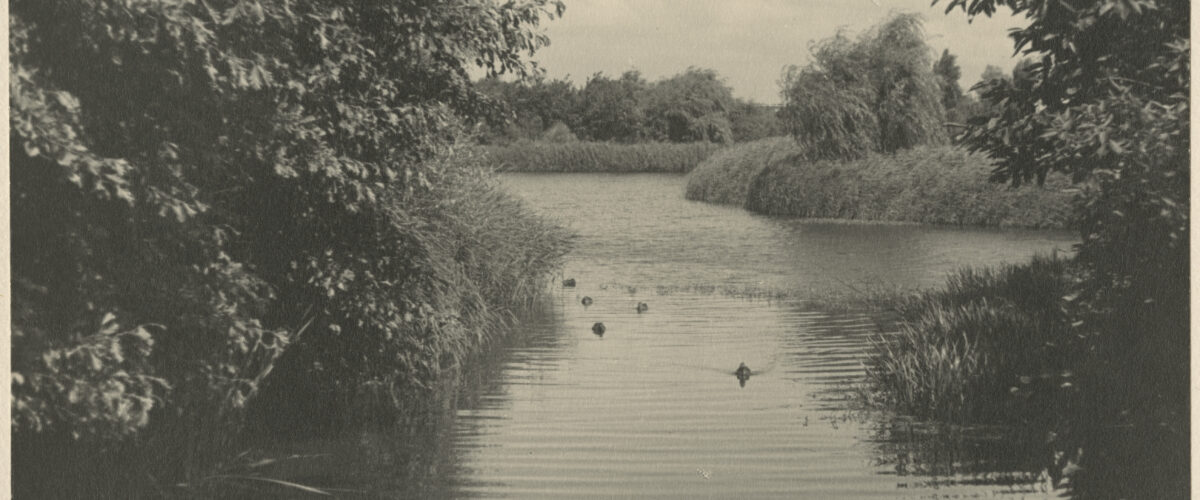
725 176
969 351
930 184
530 156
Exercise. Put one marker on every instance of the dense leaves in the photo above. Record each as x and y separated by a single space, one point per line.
693 106
873 94
689 107
1104 98
199 185
611 109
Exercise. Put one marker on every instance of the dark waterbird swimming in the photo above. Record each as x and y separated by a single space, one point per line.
587 301
742 373
569 282
598 328
642 307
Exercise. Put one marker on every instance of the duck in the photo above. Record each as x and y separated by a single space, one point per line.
598 328
570 282
642 307
742 372
587 301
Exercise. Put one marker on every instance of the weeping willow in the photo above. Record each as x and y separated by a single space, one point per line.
876 93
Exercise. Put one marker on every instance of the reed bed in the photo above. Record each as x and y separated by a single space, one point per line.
961 353
936 185
725 177
534 156
930 184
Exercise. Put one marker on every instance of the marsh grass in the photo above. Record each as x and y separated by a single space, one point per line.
536 156
929 184
725 177
476 258
971 351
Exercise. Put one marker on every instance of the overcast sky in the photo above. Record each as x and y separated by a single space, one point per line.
748 42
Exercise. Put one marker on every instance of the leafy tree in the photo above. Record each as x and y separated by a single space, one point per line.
195 184
1105 100
947 71
612 110
876 93
991 73
529 107
692 106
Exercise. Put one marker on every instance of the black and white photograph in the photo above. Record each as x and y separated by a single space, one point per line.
597 249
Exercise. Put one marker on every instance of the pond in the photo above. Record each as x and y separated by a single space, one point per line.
652 408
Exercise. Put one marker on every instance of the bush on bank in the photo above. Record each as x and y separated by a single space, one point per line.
475 255
213 200
539 156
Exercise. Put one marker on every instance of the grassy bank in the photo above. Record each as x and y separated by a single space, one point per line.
1020 346
530 156
476 256
451 267
936 185
958 352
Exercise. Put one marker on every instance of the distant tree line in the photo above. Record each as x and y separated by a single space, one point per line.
692 106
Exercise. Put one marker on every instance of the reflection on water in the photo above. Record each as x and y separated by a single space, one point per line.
654 407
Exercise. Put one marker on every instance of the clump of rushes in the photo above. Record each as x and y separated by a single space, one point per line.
931 184
533 156
725 176
970 351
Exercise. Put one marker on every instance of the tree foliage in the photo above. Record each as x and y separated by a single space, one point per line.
198 185
612 109
876 93
692 106
528 108
1104 98
948 72
750 121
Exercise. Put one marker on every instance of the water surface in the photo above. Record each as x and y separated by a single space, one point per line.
652 408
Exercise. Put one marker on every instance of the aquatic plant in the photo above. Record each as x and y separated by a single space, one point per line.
966 352
531 156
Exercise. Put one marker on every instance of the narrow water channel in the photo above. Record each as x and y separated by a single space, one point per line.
652 408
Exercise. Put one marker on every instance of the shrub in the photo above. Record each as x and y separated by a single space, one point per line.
473 255
198 187
1105 99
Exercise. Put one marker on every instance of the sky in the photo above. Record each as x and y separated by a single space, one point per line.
748 42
